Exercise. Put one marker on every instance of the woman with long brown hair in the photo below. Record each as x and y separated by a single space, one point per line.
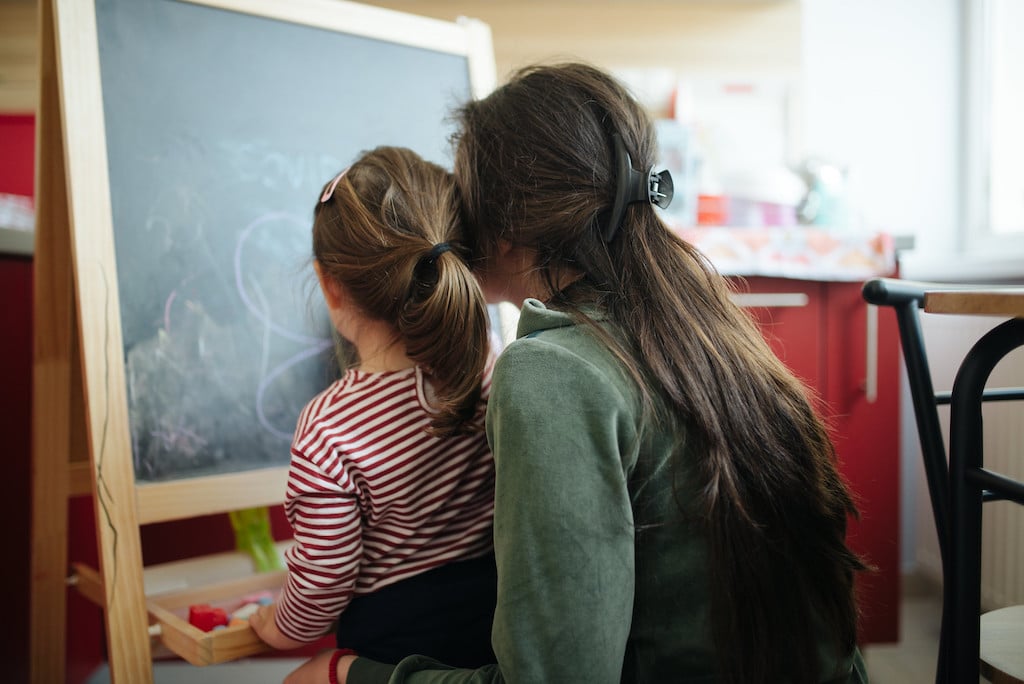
668 507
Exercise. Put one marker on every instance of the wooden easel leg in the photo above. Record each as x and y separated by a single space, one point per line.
99 346
72 335
51 377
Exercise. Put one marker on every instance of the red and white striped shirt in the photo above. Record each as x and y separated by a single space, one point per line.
373 498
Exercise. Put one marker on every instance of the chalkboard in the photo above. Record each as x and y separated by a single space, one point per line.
221 127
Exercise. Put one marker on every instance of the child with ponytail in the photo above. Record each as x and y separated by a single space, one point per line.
391 486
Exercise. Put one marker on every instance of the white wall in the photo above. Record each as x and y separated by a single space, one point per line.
650 44
881 93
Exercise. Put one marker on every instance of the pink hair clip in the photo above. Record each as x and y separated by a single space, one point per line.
334 183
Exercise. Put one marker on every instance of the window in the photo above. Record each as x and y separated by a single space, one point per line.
994 115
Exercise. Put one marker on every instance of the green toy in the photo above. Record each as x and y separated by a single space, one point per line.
252 535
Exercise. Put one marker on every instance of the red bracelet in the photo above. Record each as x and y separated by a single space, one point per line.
332 669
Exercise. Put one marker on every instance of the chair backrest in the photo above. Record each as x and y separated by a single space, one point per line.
906 298
957 486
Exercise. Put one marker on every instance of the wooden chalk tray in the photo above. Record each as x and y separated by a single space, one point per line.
220 580
170 611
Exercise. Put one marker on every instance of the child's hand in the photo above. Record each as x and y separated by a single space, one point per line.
263 623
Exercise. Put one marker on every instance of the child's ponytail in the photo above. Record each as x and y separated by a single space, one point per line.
388 231
445 327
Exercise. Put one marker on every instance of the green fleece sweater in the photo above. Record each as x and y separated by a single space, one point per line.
600 578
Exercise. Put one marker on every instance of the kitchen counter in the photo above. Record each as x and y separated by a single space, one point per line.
17 242
17 219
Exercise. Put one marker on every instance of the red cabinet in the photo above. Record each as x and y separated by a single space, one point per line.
15 422
849 357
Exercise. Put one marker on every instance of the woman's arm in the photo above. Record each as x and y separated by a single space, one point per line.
316 670
563 522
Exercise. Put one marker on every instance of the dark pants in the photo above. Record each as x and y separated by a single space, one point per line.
444 613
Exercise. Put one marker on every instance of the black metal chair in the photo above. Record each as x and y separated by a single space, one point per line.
971 484
958 487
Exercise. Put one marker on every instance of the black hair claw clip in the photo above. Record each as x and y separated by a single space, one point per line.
633 186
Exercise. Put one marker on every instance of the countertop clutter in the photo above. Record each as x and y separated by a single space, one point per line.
800 252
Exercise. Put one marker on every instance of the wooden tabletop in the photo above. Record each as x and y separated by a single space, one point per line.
1001 301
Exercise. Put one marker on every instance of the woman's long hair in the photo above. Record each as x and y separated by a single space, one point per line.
377 235
536 168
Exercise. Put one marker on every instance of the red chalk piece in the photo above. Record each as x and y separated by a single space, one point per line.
206 618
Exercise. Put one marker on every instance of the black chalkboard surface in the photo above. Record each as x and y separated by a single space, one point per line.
221 128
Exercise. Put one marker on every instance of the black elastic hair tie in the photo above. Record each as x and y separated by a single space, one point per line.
439 249
425 274
633 186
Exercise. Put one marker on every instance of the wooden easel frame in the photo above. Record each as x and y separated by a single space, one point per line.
80 428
